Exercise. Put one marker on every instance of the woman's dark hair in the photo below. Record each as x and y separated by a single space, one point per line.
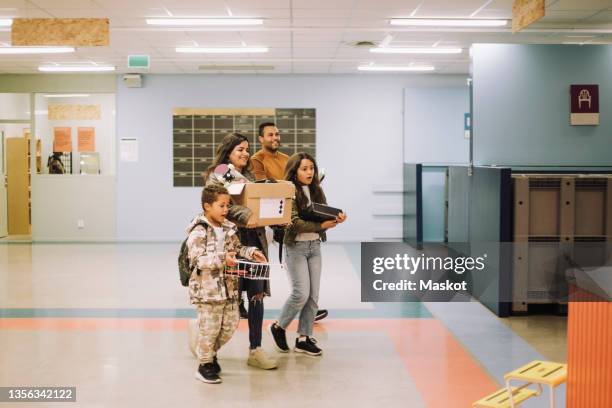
316 193
224 150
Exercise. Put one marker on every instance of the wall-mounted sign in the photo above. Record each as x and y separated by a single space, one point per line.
86 139
128 149
467 125
62 141
139 61
584 104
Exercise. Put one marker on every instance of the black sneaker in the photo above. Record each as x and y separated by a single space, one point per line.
321 314
308 346
206 373
280 339
216 365
243 312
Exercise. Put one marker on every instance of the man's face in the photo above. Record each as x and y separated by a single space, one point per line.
270 139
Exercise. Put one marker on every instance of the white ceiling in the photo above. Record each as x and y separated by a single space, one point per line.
304 36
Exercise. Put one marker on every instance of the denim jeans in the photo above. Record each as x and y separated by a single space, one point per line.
304 268
256 310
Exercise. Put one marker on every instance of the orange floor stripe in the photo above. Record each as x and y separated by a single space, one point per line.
445 374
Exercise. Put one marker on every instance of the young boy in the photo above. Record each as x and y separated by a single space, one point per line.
213 243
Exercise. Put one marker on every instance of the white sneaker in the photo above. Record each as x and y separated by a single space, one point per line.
258 358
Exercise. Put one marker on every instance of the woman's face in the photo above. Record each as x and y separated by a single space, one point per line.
305 172
239 157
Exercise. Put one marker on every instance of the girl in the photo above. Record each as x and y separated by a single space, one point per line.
303 242
234 149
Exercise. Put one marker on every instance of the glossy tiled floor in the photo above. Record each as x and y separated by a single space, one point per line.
111 320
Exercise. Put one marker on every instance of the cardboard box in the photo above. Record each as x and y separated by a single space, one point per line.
270 202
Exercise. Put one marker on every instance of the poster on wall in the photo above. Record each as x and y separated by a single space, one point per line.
86 139
584 105
198 132
62 141
128 150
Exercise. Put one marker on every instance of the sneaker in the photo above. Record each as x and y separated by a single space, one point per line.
308 346
258 358
280 339
243 312
206 373
216 365
321 314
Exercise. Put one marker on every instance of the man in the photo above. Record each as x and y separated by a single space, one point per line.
269 164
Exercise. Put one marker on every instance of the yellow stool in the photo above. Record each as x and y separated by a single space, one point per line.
501 399
539 373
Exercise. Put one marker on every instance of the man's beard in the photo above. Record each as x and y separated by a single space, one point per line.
272 147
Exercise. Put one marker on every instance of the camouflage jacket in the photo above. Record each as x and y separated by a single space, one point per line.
240 215
209 282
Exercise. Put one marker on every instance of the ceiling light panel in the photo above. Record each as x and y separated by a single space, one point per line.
193 22
447 22
221 50
35 50
76 68
415 50
384 68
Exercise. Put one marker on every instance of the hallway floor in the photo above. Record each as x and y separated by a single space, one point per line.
111 319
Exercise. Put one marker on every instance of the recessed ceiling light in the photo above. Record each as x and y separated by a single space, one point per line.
448 22
410 68
204 21
222 50
236 67
6 22
75 68
415 50
35 50
67 95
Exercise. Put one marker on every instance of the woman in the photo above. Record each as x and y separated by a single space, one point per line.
303 242
234 149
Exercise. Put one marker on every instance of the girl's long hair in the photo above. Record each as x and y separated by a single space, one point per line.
224 150
316 193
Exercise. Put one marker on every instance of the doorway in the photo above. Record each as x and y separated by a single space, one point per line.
16 151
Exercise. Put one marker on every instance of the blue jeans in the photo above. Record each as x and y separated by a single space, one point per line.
304 268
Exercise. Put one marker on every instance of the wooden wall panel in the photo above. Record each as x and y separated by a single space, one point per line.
70 112
18 186
525 12
589 346
83 32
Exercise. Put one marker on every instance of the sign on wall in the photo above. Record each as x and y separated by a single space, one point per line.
62 140
584 104
86 139
197 133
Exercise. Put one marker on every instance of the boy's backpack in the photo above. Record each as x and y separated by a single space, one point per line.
184 266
